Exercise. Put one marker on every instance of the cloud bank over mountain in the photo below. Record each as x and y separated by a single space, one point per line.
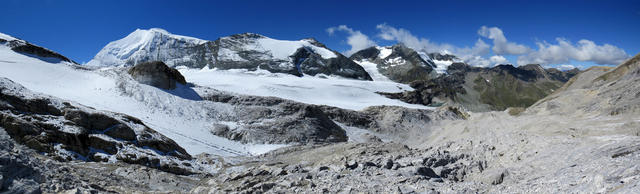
496 50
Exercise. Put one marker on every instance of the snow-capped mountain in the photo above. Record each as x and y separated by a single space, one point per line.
147 45
241 51
397 63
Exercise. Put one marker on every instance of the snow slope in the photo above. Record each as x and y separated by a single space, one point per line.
384 51
372 70
282 49
185 121
441 66
6 37
332 91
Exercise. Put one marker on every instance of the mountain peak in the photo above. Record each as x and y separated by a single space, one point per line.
160 30
246 35
140 45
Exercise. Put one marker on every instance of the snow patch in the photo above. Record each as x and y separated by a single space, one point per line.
7 37
282 49
372 70
384 52
441 66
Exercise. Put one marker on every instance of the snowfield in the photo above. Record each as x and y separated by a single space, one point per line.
282 49
185 121
372 70
332 91
179 114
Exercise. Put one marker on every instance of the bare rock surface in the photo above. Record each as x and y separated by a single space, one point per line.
157 74
67 131
23 170
276 120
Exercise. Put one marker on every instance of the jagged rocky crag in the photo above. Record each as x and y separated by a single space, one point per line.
398 63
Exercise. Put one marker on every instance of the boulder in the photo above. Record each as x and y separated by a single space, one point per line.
157 74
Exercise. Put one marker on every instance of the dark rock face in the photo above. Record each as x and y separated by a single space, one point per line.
443 57
25 47
68 132
157 74
403 65
303 61
275 120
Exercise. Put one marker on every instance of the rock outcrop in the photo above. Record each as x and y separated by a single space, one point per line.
276 120
25 47
157 74
66 132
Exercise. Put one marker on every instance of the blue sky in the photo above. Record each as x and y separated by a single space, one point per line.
79 29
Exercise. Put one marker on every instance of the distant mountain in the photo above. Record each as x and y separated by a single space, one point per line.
444 78
505 86
397 63
241 51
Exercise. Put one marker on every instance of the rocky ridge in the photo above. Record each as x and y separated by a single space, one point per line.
67 131
24 47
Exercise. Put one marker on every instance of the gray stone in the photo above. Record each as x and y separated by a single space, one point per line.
157 74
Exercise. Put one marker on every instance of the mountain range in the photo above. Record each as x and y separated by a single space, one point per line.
435 82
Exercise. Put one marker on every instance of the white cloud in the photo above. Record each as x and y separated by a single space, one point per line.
356 39
479 54
472 55
564 51
479 49
480 61
404 36
497 59
500 44
566 67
